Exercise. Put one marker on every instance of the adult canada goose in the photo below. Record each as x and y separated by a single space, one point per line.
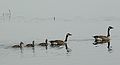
18 46
44 44
30 45
60 42
99 38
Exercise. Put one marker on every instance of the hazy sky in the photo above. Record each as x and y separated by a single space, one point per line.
85 8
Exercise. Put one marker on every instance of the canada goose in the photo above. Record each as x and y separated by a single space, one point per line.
103 38
18 46
60 42
54 18
44 44
30 45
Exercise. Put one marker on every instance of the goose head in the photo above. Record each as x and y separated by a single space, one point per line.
110 27
69 34
21 43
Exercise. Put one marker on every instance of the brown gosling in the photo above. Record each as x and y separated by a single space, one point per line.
30 45
44 44
18 46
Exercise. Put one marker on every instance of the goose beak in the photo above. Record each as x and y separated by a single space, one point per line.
112 28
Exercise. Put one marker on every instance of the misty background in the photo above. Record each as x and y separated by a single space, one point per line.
62 8
34 20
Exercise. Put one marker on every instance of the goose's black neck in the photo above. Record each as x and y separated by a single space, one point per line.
33 43
46 41
21 44
108 35
66 38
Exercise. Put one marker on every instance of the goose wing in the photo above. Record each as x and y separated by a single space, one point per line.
43 44
29 45
15 46
99 36
58 42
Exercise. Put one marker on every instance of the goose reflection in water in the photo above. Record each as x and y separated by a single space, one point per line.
61 47
103 42
66 47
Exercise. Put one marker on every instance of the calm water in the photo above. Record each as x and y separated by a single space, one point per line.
81 42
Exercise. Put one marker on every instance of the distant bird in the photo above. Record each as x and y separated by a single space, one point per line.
44 44
30 45
54 18
60 42
99 38
18 46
